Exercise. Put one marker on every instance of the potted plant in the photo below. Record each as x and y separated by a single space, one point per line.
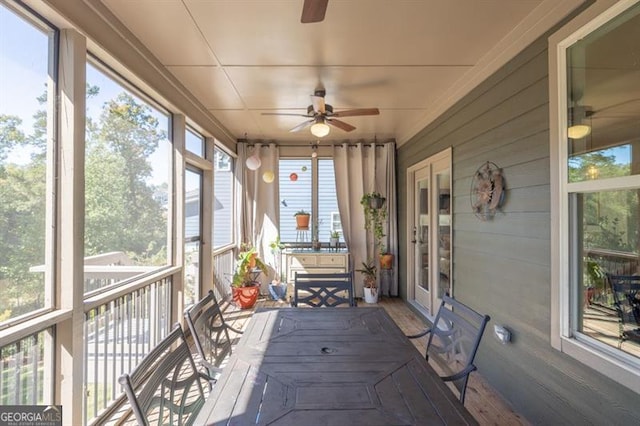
370 281
334 239
374 200
386 258
245 289
302 219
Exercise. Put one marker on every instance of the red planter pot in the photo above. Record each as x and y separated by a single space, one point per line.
245 297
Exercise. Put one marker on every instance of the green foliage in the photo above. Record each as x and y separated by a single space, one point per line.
301 213
595 272
335 234
604 163
121 212
607 235
374 218
247 264
369 271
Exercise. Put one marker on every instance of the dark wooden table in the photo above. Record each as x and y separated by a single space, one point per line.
329 366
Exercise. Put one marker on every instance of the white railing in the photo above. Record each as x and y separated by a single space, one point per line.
120 328
223 264
22 371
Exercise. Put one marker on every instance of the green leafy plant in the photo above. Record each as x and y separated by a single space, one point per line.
369 271
374 217
301 213
276 246
335 234
247 265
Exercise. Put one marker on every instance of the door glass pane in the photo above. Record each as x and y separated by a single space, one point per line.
444 232
192 233
422 234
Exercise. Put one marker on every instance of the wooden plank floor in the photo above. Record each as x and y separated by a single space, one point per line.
484 403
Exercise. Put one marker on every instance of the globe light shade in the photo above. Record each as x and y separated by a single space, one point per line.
293 177
253 162
320 129
268 176
578 131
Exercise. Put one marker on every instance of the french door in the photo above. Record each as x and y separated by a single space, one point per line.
429 219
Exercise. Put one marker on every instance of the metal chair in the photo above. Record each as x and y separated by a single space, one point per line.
328 290
453 341
166 387
210 333
626 299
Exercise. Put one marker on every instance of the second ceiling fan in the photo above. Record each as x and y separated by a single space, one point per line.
321 116
313 11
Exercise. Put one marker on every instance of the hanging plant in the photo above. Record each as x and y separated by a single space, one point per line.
375 216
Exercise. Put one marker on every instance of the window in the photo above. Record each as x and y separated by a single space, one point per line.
599 153
194 143
127 175
25 84
304 184
327 200
223 188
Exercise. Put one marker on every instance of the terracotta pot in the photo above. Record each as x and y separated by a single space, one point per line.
302 221
245 297
386 261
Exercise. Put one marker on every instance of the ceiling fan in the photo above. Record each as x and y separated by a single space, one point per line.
321 116
313 11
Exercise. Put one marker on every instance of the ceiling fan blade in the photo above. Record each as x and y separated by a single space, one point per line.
302 126
340 124
285 113
318 103
355 112
313 11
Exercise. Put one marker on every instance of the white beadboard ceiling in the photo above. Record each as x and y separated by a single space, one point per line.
409 58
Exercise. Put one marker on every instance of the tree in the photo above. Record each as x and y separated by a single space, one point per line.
121 211
22 205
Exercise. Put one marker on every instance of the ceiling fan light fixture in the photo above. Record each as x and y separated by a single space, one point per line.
578 131
320 129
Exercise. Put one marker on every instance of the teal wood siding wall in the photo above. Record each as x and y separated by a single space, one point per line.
502 267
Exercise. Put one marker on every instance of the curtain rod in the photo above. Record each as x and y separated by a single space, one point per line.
311 145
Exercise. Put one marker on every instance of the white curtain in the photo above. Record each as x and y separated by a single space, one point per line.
258 207
359 169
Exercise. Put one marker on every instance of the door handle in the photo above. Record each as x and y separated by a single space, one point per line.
415 230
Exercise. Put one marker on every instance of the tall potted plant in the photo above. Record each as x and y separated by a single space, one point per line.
245 289
370 281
